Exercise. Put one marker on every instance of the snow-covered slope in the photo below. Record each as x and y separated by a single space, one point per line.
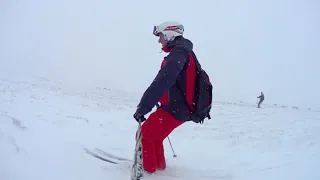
44 127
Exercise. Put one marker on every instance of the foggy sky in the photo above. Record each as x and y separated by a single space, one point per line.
246 46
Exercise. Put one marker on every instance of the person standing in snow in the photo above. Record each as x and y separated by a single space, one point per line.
178 72
261 97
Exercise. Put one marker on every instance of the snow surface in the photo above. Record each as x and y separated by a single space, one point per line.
44 127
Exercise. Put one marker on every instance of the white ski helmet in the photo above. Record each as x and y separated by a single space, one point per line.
170 30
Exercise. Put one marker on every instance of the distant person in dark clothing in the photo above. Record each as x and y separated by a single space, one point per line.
261 97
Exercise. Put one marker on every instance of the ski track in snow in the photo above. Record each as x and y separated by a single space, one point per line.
45 126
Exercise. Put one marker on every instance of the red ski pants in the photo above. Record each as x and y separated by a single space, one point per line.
154 130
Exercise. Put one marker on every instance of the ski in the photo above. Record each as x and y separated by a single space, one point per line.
137 172
100 157
137 169
107 154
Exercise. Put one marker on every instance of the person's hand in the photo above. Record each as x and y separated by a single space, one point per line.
139 117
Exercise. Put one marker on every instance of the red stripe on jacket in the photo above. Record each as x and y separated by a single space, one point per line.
190 82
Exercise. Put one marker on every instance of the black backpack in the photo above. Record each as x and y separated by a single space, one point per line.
202 99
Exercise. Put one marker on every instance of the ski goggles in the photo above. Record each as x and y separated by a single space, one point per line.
156 31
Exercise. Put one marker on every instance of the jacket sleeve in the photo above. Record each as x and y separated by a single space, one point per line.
165 78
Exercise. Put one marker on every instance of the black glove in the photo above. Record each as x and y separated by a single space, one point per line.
138 117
